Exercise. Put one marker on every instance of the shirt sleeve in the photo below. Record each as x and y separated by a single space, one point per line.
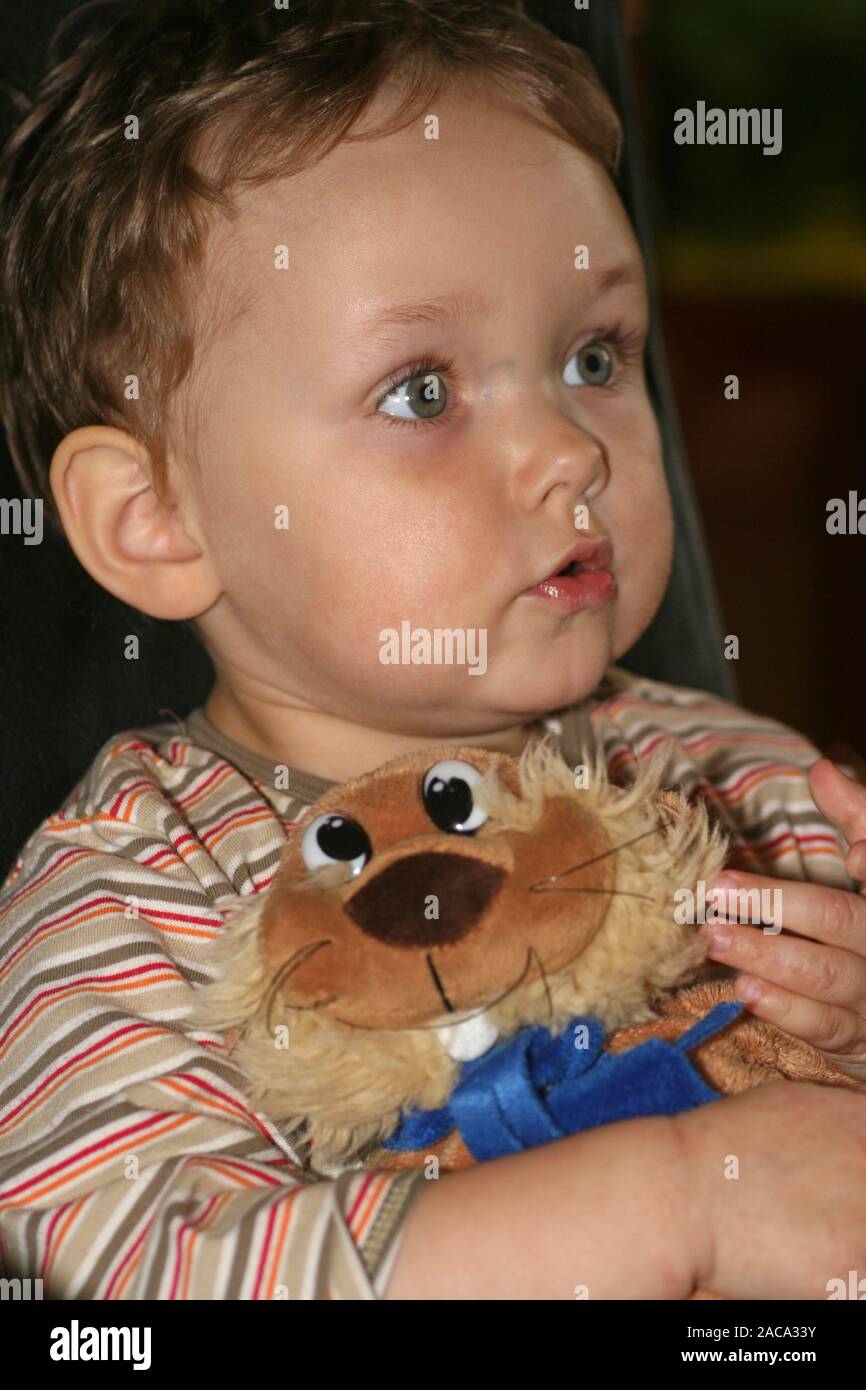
210 1225
131 1163
750 770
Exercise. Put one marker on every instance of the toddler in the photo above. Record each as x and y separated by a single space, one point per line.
323 331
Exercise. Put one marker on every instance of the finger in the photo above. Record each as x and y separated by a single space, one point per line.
838 798
825 1026
850 761
832 915
826 974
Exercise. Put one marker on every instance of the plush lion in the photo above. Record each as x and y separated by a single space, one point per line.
463 954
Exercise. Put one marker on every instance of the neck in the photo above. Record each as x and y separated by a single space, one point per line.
324 745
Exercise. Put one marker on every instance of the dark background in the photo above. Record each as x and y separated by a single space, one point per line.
762 262
762 265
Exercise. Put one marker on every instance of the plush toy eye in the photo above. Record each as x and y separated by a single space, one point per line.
336 839
447 796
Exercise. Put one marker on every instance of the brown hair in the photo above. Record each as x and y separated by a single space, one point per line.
103 237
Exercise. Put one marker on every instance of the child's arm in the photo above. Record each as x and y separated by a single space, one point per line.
654 1208
777 1177
604 1209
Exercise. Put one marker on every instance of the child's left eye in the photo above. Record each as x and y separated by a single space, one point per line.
595 365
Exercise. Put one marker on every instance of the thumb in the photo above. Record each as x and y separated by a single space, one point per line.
848 759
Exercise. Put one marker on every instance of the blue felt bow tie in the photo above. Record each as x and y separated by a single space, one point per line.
534 1087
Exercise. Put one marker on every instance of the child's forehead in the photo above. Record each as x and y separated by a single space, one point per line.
393 220
467 160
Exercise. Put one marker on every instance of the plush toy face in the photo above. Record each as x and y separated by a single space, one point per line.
428 889
430 909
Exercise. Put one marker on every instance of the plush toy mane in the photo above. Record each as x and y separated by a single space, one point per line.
347 1086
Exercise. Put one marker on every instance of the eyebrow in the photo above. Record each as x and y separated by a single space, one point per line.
455 307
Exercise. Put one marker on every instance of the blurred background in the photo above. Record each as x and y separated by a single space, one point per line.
762 264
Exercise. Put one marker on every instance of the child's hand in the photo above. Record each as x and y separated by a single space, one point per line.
791 1216
812 984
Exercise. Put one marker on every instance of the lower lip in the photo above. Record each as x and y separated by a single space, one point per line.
572 593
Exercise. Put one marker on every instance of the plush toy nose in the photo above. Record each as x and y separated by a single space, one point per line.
425 899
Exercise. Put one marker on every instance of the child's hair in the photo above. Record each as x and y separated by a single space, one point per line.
149 114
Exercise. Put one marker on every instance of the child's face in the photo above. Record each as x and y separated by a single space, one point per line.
446 522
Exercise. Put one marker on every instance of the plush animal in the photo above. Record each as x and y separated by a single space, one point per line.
463 954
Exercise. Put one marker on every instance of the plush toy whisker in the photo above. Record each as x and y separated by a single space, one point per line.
543 974
563 873
286 969
268 999
617 892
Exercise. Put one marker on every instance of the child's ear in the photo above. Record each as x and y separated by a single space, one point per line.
130 534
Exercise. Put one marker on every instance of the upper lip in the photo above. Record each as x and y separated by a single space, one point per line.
591 554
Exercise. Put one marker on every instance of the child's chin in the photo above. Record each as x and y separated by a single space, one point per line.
544 698
574 674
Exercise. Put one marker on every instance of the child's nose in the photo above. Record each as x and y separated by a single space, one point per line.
566 458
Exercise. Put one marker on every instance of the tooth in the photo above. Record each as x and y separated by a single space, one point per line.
467 1040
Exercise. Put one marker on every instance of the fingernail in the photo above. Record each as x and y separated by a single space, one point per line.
856 862
845 768
747 988
725 883
847 759
719 937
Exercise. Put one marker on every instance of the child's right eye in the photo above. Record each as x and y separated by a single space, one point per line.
419 393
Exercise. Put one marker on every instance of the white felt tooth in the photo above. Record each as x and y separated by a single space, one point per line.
469 1039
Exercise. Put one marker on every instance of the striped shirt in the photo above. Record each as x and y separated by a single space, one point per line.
131 1163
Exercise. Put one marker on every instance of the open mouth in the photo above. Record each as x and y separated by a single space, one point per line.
584 580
